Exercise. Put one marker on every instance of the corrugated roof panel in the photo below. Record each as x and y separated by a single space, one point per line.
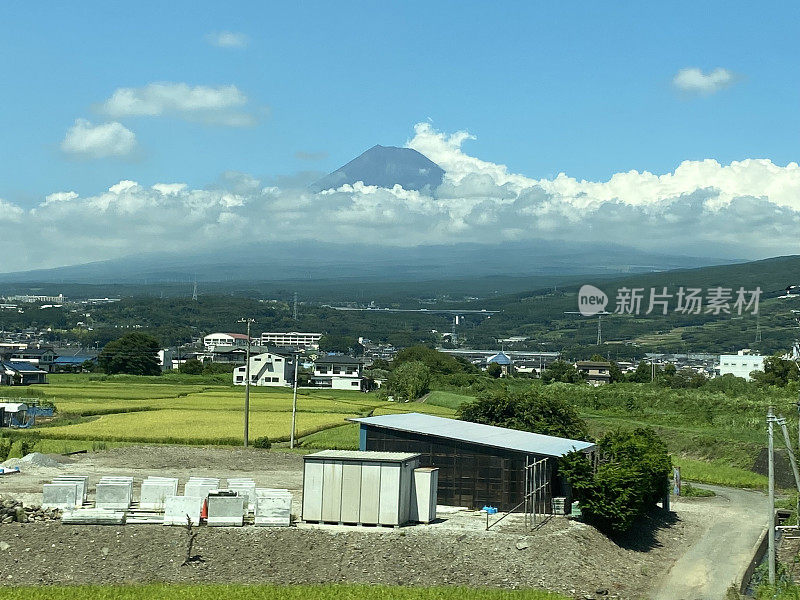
362 455
476 433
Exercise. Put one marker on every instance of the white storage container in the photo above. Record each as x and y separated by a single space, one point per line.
365 488
423 500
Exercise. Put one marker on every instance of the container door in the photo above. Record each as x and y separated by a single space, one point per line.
389 510
370 492
351 492
312 491
332 491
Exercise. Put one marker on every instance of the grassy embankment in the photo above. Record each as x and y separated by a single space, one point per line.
246 592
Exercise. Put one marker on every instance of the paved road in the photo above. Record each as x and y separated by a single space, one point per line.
733 521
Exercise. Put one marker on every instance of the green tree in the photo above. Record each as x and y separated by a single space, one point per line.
528 410
561 371
134 353
632 476
337 343
191 367
494 370
438 362
643 373
409 381
777 371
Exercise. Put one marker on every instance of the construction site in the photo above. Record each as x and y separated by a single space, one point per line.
454 548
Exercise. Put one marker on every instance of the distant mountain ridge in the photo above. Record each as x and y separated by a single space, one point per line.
316 260
385 166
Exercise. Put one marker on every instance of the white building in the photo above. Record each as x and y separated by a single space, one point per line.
267 369
224 339
291 338
740 364
338 373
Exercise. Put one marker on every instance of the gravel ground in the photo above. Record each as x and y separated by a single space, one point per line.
561 555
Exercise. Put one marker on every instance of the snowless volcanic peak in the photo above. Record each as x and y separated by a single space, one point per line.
386 166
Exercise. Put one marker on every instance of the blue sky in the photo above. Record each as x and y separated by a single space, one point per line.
581 88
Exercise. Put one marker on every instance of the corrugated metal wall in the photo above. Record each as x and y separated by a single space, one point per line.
469 475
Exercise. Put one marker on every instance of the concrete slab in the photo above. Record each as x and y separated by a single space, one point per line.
225 509
61 495
273 508
177 508
82 480
93 516
113 495
154 493
199 489
246 489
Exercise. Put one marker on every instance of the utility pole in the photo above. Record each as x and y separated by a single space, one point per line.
294 400
771 473
247 384
782 422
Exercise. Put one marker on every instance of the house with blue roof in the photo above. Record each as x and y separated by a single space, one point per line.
502 359
20 373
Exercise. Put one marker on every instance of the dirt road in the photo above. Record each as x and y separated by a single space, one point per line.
732 522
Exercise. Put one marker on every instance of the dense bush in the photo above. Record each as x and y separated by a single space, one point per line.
631 477
262 442
437 362
526 410
561 371
409 381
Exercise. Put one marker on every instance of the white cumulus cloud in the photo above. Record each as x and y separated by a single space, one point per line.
693 80
744 209
98 141
227 39
221 105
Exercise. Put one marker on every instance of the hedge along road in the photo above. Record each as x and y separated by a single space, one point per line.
733 521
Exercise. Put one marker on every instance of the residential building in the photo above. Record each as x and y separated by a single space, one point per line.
20 373
338 372
502 359
740 364
72 364
293 339
267 369
213 340
41 357
595 372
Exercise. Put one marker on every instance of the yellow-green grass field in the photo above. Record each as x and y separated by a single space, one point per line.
258 592
139 410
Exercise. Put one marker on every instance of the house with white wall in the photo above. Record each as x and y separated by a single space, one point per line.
338 372
293 339
267 369
741 364
224 339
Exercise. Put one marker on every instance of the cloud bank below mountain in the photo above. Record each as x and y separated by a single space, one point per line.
746 209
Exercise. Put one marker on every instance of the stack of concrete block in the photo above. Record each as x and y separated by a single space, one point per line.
273 507
114 493
155 491
200 486
62 495
81 480
178 508
94 516
247 489
226 508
